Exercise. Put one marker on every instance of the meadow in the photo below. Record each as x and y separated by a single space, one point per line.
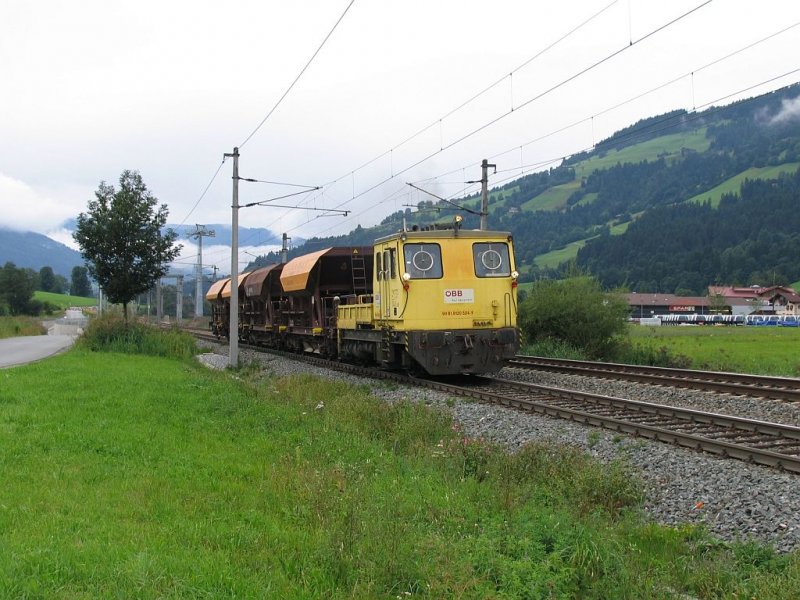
127 475
64 301
761 350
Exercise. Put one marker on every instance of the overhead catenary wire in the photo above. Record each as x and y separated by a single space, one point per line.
296 79
638 96
626 137
351 173
205 191
527 102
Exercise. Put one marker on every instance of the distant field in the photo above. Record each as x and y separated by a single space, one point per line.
588 199
762 350
732 185
620 228
64 301
667 145
554 198
555 257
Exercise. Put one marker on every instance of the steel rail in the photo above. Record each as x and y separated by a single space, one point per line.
753 441
779 388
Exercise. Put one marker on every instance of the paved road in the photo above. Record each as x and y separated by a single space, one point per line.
20 350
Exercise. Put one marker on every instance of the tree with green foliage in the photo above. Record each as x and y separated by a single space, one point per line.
576 311
80 285
122 241
61 285
47 279
16 288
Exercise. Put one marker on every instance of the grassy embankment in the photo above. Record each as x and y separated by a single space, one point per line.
762 350
19 326
136 476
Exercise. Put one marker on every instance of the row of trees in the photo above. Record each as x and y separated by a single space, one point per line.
17 286
49 281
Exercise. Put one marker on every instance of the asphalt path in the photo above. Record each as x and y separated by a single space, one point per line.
21 350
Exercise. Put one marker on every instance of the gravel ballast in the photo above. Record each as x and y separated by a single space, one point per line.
733 499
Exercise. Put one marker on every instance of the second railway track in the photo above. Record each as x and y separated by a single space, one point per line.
779 388
750 440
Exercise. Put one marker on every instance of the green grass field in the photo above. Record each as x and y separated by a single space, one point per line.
762 350
668 146
554 198
64 301
733 185
555 257
139 477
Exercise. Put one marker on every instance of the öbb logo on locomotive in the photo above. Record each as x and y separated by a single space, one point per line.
327 302
465 296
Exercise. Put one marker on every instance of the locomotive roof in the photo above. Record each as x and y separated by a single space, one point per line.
471 234
216 288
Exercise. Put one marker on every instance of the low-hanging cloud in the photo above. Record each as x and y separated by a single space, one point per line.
790 111
26 209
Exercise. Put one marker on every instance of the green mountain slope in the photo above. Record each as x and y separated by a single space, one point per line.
663 165
732 185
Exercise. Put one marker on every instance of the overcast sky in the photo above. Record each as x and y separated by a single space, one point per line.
91 88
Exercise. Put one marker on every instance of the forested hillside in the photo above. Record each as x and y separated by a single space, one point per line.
672 203
751 237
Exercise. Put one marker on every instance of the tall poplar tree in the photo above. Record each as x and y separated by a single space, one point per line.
122 239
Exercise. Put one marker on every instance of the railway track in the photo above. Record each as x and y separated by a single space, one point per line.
779 388
753 441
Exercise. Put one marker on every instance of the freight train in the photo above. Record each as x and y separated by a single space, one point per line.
433 300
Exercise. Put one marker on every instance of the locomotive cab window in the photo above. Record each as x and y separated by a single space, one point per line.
491 260
423 261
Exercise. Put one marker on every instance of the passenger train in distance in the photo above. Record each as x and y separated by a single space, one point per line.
438 300
754 320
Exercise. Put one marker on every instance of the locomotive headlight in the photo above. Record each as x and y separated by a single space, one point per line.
406 276
515 275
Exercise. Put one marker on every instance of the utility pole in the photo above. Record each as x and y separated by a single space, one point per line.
216 268
179 299
485 193
200 232
159 303
233 330
285 249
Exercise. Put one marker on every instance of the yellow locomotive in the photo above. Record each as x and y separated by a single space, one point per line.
443 301
438 301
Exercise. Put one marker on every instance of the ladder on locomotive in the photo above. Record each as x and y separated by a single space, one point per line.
358 268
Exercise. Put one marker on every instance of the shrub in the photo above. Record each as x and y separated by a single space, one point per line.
576 311
110 333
